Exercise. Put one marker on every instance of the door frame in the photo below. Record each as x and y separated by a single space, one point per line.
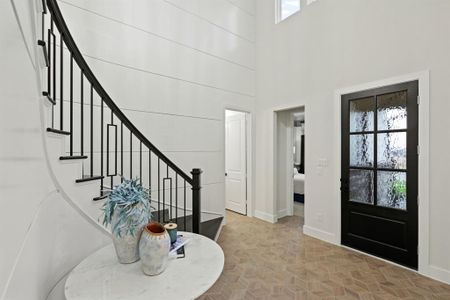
249 156
424 266
289 185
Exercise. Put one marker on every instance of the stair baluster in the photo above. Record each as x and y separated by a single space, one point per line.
98 101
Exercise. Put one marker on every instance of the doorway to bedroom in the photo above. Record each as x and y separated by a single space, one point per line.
298 136
290 163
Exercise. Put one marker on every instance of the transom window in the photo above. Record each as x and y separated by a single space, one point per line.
286 8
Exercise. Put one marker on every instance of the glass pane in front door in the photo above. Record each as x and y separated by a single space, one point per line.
361 184
391 151
361 150
391 189
361 114
391 111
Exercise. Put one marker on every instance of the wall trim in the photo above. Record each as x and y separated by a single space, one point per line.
321 235
436 273
283 213
265 216
220 230
289 160
424 267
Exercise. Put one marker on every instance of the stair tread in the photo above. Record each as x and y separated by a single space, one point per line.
44 49
72 157
49 98
211 227
58 131
85 178
100 198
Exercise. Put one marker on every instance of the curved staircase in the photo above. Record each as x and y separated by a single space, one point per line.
92 146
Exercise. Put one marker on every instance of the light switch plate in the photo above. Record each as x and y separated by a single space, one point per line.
323 162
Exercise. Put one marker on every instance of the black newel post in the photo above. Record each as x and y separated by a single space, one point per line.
196 199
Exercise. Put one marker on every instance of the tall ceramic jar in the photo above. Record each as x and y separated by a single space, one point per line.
154 248
127 210
125 243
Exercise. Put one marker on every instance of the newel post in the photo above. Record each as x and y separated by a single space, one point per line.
196 200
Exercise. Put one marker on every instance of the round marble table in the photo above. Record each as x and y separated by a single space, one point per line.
101 277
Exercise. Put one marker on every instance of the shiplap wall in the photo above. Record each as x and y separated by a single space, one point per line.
173 66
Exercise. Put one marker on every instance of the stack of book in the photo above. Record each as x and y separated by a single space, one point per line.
177 248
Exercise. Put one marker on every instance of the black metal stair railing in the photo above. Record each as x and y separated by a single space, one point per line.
83 110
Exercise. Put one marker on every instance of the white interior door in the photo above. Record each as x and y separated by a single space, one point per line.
235 163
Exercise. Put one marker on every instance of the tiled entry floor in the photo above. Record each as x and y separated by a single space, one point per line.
276 261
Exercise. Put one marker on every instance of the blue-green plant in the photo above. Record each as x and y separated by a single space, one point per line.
131 202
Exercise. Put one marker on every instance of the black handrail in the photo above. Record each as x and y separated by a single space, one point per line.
82 64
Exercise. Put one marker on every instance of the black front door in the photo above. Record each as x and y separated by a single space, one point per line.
379 177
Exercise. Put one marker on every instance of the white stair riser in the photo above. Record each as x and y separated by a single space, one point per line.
67 171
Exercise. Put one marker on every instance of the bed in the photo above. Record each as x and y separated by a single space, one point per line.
299 184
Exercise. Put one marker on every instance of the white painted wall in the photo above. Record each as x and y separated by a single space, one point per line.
43 238
179 63
173 66
334 44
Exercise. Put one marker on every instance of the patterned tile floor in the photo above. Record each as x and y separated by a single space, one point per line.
276 261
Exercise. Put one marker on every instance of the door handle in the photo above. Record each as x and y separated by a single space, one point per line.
226 174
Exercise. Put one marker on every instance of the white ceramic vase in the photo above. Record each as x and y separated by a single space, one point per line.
154 248
126 244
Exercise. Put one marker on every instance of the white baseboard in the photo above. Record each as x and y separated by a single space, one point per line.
265 216
220 230
283 213
436 273
321 235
